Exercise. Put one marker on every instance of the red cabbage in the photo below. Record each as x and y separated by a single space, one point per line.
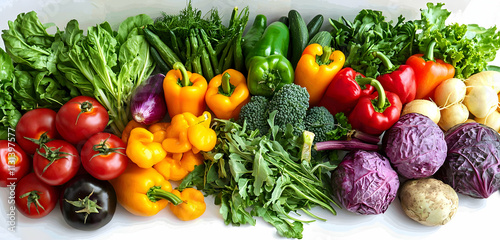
415 146
365 183
472 166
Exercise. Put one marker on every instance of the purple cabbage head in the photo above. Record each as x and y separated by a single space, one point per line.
415 146
365 183
472 166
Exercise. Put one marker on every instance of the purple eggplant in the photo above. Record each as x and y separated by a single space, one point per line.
148 102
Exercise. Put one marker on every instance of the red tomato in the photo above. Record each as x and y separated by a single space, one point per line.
14 163
34 198
38 124
103 156
80 118
57 162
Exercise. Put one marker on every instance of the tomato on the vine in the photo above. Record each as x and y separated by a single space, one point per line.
14 163
56 162
103 156
36 127
34 198
80 118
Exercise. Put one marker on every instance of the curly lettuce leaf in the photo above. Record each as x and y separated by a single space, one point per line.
9 113
469 48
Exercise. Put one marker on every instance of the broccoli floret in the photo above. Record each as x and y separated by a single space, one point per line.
319 121
255 114
292 102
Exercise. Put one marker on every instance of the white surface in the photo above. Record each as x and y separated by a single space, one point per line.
475 219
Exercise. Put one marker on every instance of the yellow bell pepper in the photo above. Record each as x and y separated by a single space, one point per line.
143 191
159 131
184 91
188 132
142 150
193 204
130 125
316 69
178 169
227 93
200 135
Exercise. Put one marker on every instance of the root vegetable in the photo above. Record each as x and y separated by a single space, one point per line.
424 107
481 101
428 201
484 78
453 115
492 120
449 92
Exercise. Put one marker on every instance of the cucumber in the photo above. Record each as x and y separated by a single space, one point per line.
284 19
165 52
299 36
323 38
314 25
158 60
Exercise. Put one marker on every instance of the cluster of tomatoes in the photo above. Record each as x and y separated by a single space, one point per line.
44 163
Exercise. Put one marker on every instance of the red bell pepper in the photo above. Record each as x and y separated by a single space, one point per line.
344 91
375 113
429 72
398 79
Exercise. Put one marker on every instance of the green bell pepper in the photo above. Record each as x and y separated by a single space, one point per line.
267 65
268 74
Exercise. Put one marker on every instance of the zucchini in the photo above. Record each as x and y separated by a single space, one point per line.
323 38
314 25
165 52
299 36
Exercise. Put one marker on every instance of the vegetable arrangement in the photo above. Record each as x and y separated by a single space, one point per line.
272 121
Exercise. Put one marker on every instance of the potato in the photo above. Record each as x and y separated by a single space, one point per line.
428 201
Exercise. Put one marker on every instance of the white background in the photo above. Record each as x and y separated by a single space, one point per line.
475 219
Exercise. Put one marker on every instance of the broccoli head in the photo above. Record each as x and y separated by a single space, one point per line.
291 102
255 114
319 121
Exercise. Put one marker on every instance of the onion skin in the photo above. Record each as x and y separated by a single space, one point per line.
148 102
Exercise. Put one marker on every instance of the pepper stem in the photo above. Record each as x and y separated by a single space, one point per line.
325 57
429 54
156 193
385 60
185 78
378 86
226 84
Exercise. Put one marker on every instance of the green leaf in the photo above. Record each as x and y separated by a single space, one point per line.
261 172
130 24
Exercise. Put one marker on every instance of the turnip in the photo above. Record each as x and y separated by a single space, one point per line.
424 107
492 120
484 78
428 201
449 92
453 115
481 100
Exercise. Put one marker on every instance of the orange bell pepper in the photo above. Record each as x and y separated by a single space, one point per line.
142 150
316 69
184 91
130 125
176 138
227 93
193 204
143 191
429 72
159 131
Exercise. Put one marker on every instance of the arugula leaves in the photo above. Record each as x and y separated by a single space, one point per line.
262 176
